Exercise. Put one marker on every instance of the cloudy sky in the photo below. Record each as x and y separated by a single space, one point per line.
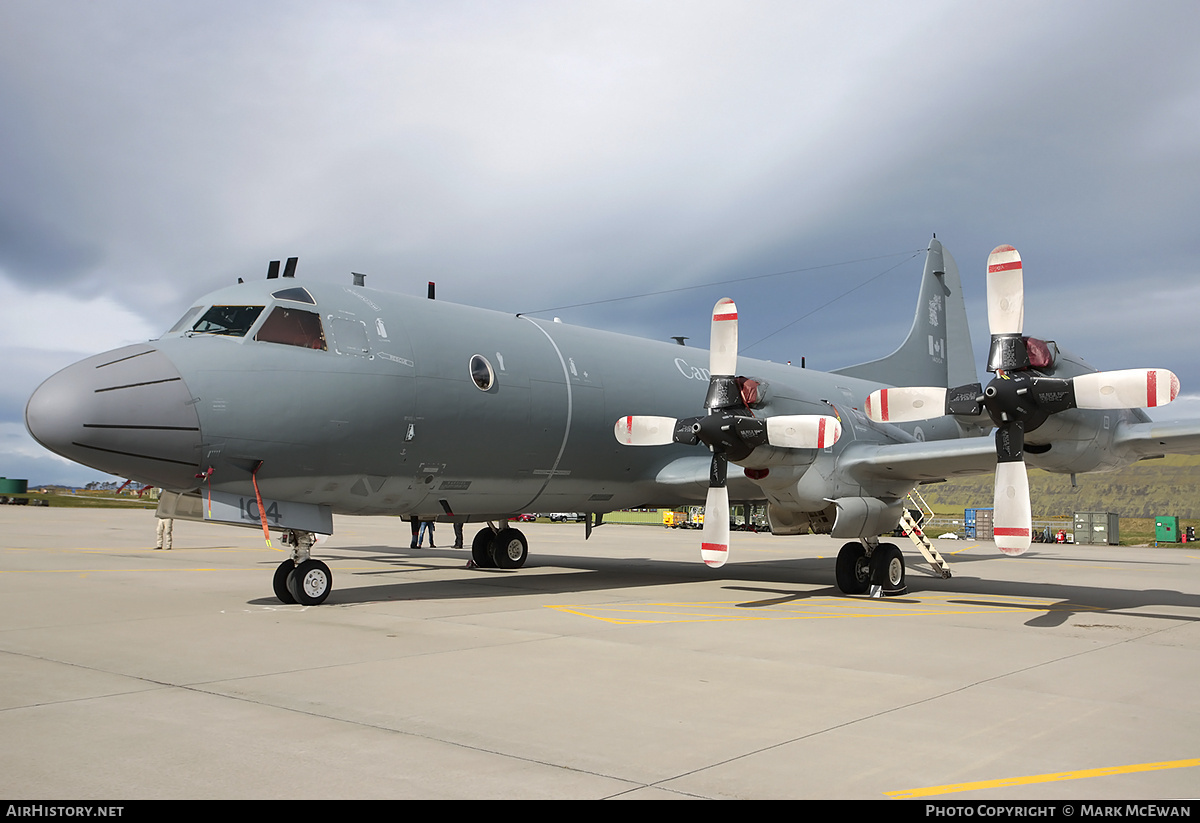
539 155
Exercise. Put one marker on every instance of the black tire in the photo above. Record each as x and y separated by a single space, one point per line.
280 582
852 570
310 583
481 548
509 549
887 569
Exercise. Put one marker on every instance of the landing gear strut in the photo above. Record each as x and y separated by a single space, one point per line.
300 578
881 571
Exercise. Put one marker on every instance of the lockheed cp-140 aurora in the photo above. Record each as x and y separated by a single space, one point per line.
277 404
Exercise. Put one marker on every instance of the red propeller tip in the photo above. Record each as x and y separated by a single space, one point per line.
720 551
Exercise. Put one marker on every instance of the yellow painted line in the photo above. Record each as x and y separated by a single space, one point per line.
127 551
256 568
1052 777
823 608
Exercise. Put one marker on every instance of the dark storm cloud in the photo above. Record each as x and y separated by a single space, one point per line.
532 155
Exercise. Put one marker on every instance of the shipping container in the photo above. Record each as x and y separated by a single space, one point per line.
1098 528
977 524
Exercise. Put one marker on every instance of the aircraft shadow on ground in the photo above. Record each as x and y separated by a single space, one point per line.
786 581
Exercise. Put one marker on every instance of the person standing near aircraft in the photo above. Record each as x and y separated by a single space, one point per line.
165 526
426 525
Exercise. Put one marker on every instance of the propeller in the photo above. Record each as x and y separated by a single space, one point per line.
729 429
1017 400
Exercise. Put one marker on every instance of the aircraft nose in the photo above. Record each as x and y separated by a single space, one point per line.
126 412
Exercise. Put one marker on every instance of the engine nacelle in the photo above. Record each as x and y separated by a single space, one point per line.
788 521
860 517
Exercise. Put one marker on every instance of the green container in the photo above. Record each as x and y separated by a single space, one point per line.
1166 529
8 486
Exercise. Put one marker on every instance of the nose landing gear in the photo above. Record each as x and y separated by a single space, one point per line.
302 579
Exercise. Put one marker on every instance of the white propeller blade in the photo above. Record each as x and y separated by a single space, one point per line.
1012 519
644 430
803 431
714 548
905 404
1128 389
722 354
1005 291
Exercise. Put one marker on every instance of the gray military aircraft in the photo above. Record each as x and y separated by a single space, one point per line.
276 404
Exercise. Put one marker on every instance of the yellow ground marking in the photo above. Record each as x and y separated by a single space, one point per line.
1052 777
814 608
123 550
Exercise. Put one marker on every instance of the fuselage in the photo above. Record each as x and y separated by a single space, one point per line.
372 403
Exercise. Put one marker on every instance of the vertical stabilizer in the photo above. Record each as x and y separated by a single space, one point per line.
937 351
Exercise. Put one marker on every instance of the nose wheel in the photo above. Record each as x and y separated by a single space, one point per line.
308 583
300 578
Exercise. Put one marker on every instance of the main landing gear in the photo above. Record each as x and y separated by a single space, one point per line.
499 547
300 578
871 566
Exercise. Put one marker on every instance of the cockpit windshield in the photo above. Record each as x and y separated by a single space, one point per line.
233 321
293 327
187 318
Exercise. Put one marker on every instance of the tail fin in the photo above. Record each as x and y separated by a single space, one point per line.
937 351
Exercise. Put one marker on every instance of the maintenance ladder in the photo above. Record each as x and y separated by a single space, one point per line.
917 535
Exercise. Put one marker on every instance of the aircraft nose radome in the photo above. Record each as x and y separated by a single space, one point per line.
126 412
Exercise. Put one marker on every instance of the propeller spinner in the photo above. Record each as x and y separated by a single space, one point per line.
729 429
1018 401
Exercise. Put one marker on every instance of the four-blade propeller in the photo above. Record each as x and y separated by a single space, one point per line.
729 429
1018 400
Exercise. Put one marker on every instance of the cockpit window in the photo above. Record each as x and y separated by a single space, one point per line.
187 318
292 327
297 294
234 321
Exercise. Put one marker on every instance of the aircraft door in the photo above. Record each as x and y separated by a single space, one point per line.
382 400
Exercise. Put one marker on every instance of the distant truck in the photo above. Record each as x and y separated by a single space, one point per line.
566 517
693 518
674 520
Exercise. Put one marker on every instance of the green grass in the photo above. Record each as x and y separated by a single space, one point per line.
89 500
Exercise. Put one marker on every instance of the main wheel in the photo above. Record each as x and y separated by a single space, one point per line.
887 569
310 583
509 549
280 582
481 548
852 571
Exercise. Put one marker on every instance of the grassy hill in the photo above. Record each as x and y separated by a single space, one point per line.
1169 486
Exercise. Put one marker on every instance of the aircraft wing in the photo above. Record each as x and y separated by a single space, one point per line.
689 475
921 461
1154 439
946 459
